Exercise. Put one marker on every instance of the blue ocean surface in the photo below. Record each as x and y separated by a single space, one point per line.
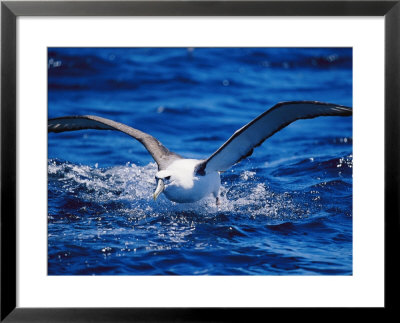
285 210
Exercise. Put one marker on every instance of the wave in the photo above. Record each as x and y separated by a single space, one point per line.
108 214
128 190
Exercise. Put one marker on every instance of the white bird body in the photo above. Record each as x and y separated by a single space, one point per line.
183 185
189 180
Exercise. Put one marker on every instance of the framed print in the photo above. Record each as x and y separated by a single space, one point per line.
199 157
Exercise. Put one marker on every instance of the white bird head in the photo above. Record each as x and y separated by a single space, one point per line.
180 183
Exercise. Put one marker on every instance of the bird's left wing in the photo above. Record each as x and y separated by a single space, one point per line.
160 153
241 144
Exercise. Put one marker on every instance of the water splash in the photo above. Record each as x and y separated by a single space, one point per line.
129 189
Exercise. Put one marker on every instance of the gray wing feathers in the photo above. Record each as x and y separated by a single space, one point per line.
161 154
241 144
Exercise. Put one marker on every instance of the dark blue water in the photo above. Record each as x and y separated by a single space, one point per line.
286 210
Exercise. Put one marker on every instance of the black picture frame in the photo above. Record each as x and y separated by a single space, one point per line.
10 10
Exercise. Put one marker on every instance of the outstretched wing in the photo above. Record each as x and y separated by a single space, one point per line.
244 140
161 154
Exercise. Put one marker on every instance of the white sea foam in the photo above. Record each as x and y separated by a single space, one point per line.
133 185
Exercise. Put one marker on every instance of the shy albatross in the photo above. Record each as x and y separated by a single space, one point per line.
185 180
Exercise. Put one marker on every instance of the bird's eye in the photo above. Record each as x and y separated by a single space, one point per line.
167 178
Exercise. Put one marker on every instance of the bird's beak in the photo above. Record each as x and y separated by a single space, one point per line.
159 189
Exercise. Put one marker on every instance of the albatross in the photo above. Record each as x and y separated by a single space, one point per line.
184 180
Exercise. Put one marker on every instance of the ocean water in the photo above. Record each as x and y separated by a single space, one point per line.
285 210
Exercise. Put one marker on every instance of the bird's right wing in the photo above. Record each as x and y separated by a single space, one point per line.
160 153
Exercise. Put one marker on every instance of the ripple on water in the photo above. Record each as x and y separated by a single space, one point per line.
110 211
